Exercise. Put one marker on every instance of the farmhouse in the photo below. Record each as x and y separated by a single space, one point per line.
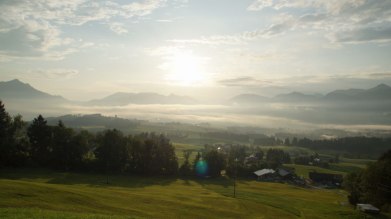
285 173
326 178
264 173
252 159
367 208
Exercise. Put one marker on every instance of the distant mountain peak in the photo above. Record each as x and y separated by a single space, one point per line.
16 89
382 86
14 81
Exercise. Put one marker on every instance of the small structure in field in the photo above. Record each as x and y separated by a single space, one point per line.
264 173
368 208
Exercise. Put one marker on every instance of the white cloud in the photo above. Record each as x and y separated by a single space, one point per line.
241 38
34 29
343 21
142 8
118 28
259 5
244 82
213 40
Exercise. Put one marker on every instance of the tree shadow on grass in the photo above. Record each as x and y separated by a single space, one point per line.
110 180
89 179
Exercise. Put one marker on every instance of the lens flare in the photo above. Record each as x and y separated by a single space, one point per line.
201 168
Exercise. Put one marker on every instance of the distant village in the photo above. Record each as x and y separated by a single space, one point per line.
269 167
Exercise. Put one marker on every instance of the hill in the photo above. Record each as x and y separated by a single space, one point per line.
94 121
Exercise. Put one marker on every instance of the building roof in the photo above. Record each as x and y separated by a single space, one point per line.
264 172
367 208
283 172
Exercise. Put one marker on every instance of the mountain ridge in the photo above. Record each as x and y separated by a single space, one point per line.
16 89
379 92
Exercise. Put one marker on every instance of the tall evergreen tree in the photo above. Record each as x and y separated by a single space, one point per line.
40 137
185 169
112 152
5 140
63 151
216 162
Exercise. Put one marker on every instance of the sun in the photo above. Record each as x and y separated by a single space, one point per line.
186 69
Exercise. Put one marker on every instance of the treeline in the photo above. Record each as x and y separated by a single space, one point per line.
227 136
353 147
371 185
356 147
349 146
40 144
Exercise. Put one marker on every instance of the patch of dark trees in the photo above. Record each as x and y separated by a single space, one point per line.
37 144
228 136
316 160
351 147
371 185
62 148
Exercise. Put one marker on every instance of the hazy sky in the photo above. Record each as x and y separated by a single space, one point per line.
204 48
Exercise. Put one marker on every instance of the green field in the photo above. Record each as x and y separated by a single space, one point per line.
29 193
303 170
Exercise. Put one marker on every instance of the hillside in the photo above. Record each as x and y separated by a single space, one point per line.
37 194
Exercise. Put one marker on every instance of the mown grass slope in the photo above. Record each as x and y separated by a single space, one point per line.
30 193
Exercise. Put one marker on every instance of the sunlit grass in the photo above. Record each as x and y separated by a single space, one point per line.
46 194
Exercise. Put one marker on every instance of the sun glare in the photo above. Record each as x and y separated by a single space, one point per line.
186 69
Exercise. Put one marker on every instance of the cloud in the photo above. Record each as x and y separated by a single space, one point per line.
244 82
348 21
34 29
238 39
118 28
259 5
56 73
142 8
381 75
213 40
366 34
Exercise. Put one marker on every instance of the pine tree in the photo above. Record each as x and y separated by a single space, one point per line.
40 137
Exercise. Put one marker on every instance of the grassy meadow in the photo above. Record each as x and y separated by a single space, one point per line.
32 193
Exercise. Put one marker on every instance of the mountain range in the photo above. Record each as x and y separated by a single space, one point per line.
17 90
349 106
381 92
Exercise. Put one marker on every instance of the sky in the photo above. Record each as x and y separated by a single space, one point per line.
209 49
